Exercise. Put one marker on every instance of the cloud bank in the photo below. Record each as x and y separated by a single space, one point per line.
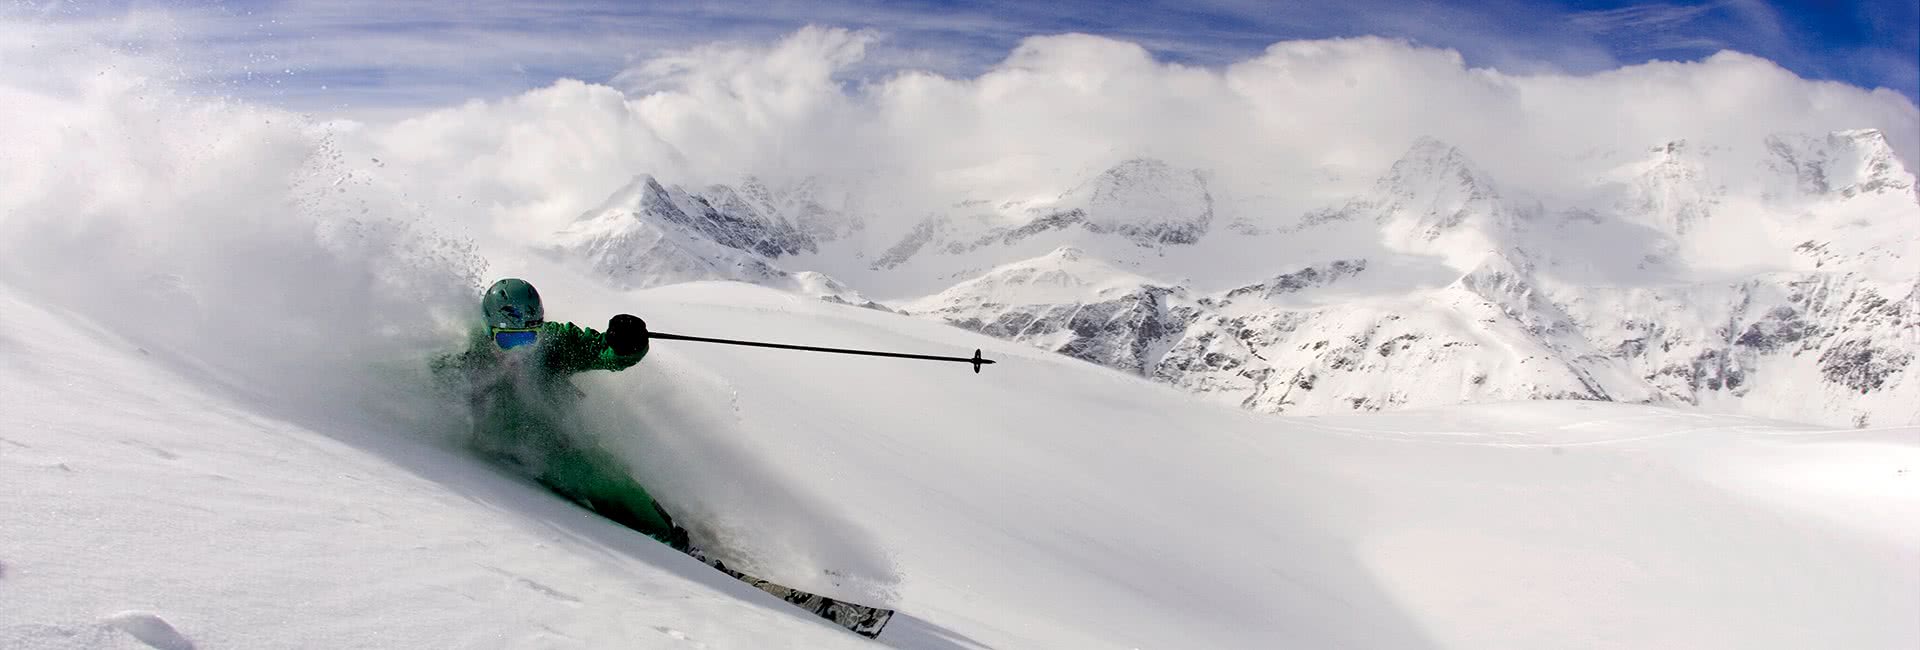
1303 121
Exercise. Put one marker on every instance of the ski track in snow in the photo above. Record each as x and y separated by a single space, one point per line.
534 585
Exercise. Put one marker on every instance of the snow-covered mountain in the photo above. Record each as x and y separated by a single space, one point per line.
648 234
1132 211
1777 278
1433 201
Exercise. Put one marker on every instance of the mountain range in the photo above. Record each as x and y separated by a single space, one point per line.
1778 278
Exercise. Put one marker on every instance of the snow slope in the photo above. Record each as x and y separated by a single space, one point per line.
144 506
1047 503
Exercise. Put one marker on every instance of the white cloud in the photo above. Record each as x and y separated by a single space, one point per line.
1300 123
1058 107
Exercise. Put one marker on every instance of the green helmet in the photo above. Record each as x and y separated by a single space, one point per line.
512 303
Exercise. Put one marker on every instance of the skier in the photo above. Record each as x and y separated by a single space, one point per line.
515 372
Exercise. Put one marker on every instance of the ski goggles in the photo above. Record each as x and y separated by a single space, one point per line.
511 337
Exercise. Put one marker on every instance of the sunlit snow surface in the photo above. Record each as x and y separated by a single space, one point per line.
1046 503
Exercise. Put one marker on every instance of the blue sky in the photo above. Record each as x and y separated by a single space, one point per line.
367 54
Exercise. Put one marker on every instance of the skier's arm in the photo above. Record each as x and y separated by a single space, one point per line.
571 348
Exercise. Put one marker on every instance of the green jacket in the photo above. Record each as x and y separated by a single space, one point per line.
563 349
523 416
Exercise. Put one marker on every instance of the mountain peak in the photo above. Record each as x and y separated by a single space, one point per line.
1493 266
1670 148
1145 200
1870 137
1849 163
1141 165
1435 201
1434 153
1875 168
1430 161
646 184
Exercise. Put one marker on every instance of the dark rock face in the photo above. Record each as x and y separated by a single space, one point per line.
1781 327
1862 366
1294 282
923 233
1847 327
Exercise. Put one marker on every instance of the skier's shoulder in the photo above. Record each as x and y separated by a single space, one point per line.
566 333
561 328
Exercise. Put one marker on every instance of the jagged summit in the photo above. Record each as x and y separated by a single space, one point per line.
1868 165
1065 274
1671 192
1845 163
721 216
1294 282
1435 201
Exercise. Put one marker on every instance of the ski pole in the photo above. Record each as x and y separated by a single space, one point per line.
975 360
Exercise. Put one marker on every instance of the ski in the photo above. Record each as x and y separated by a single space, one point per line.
860 619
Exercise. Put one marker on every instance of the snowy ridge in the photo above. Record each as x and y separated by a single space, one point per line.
1297 282
1857 203
1070 303
1847 163
1133 210
1818 346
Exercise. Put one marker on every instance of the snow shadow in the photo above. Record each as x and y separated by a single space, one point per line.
150 629
400 420
677 427
919 634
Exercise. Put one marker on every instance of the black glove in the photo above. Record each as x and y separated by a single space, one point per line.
627 335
